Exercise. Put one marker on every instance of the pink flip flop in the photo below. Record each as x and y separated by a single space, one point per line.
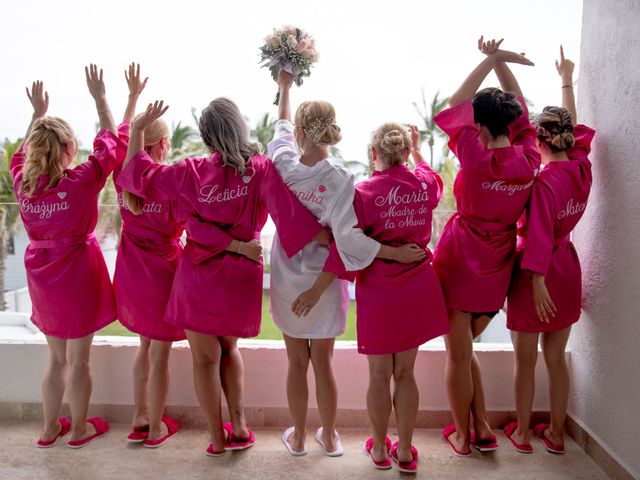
511 427
551 447
484 444
384 464
101 426
138 434
235 443
172 429
211 452
405 467
446 433
65 427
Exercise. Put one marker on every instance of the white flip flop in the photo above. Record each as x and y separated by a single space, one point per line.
285 439
339 451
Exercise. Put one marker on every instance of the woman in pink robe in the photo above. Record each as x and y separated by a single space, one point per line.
546 289
490 134
399 306
147 259
69 284
217 293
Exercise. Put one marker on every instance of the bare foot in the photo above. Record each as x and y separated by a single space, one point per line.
156 432
404 455
555 437
482 430
460 442
521 437
379 452
330 440
296 440
51 432
83 431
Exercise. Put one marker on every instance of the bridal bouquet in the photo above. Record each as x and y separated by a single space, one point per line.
291 49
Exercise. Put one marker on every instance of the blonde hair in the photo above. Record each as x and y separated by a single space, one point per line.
555 128
317 119
46 155
391 141
153 134
223 130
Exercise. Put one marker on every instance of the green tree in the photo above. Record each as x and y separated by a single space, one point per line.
264 131
9 211
427 112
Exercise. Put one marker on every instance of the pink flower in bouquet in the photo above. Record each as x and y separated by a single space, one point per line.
289 29
292 42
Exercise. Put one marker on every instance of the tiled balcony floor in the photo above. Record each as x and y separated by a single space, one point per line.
184 458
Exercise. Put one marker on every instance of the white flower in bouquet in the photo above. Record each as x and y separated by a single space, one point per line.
291 49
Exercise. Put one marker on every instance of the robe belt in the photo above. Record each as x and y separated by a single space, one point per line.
61 242
488 226
144 234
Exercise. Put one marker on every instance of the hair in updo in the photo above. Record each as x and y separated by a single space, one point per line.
555 128
153 134
317 119
391 141
496 109
223 130
46 153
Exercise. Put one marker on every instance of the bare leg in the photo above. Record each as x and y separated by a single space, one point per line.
53 385
478 406
299 355
553 349
459 343
79 388
140 382
379 401
205 350
326 388
405 400
232 377
526 350
158 387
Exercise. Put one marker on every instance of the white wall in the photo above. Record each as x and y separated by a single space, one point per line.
22 364
605 344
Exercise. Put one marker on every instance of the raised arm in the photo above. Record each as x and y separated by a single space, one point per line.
415 144
285 80
471 84
39 101
132 76
505 76
97 90
565 70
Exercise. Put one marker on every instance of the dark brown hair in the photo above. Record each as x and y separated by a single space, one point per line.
495 110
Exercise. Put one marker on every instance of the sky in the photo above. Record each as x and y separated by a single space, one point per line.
375 56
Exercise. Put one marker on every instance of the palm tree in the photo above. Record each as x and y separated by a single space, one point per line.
427 113
9 211
264 130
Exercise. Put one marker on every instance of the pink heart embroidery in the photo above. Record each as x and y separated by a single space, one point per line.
61 195
322 188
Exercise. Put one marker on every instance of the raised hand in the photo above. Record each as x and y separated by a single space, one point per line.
511 57
154 111
565 66
95 81
489 47
132 75
39 99
415 138
285 79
